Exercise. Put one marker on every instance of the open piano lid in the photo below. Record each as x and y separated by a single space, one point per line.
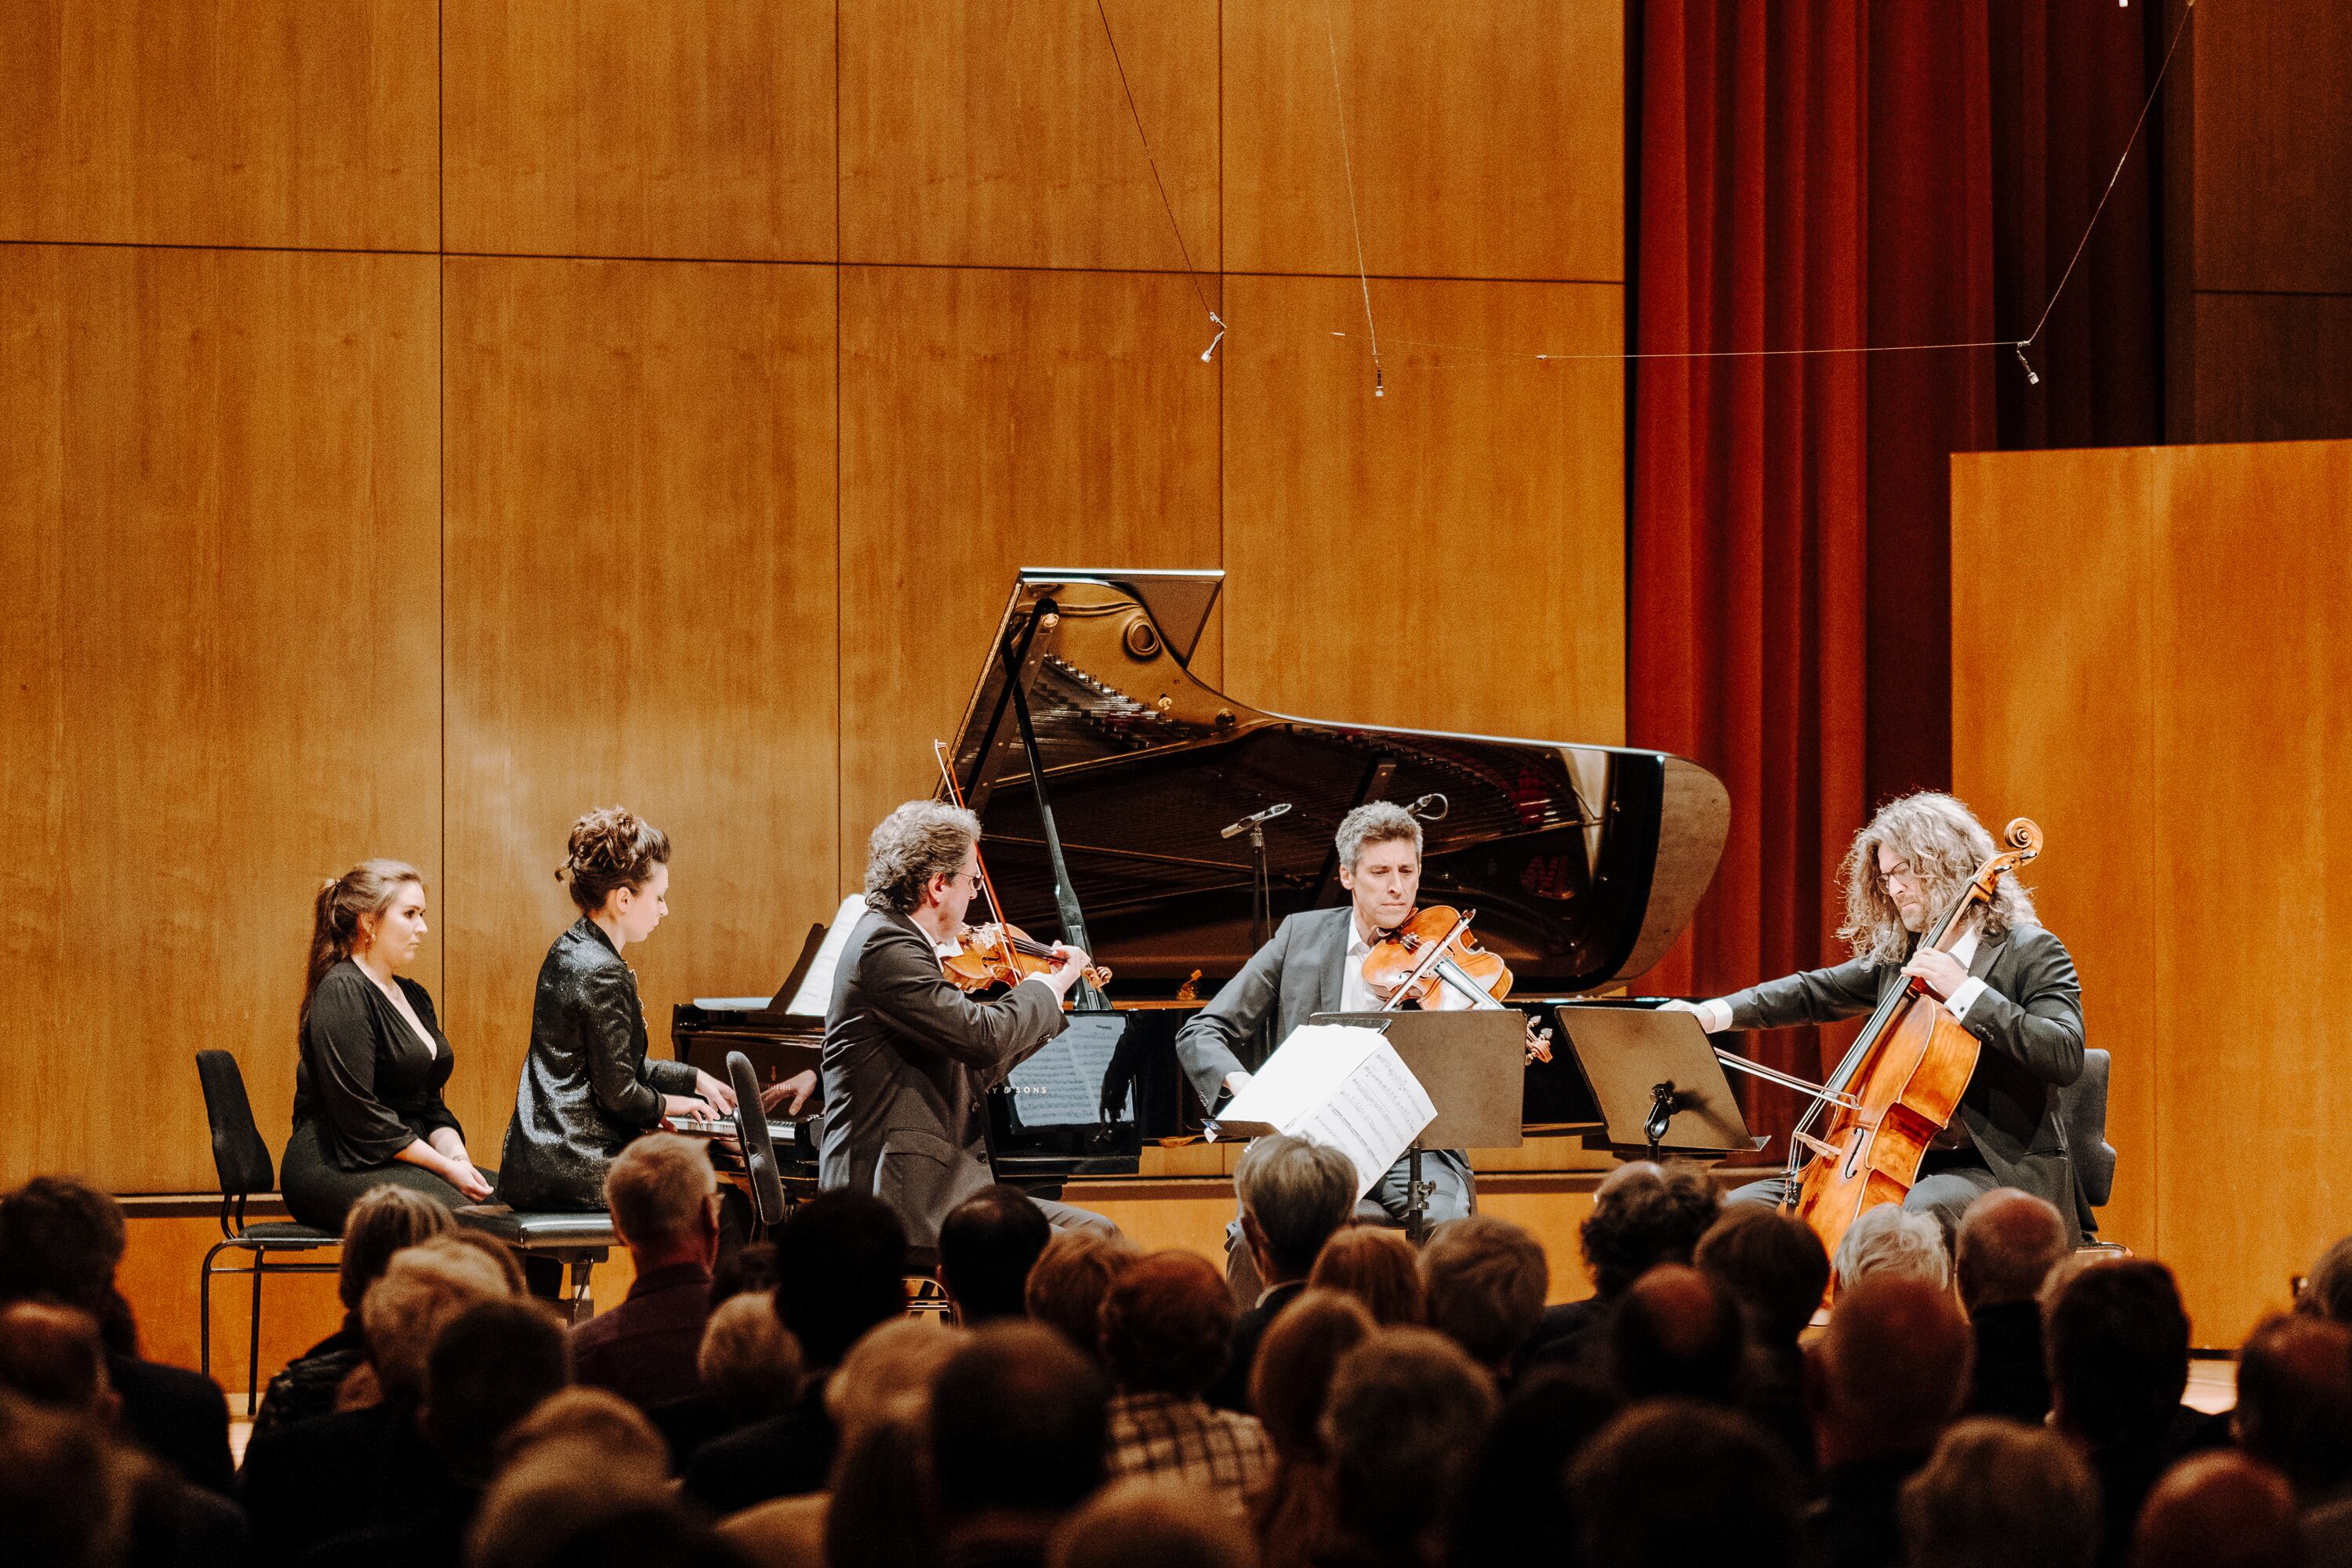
1583 863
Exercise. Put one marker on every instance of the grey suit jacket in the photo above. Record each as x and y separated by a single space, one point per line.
1295 977
907 1058
2029 1020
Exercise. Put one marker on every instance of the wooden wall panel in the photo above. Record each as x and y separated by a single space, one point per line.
640 127
993 420
220 499
1487 140
2272 146
2272 367
2180 709
2253 663
1451 553
299 123
2053 714
1000 135
640 581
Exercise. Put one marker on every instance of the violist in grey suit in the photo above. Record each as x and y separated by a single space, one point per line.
2009 982
1314 964
907 1055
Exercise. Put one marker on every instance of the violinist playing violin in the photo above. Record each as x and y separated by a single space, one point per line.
907 1054
2006 980
1314 964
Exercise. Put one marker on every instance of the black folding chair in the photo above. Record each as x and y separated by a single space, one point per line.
758 1149
242 1162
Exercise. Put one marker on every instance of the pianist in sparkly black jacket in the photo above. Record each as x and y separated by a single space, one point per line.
587 1088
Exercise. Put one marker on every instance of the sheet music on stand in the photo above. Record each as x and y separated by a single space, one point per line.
1335 1084
813 995
1060 1085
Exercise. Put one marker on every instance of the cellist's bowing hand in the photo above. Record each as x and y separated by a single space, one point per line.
1938 970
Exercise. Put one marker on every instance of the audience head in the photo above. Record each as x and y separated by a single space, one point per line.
423 1289
745 1269
374 900
1066 1285
61 1239
1407 1411
560 1505
490 1367
665 1201
2295 1403
2008 1243
384 1220
1166 1322
841 1259
617 866
66 1491
1889 1240
499 1255
2001 1494
1485 1279
1376 1266
1515 1508
1890 1373
2218 1510
609 1437
1294 1196
1675 1480
1644 1215
988 1244
878 1515
1018 1424
747 1359
1143 1522
1675 1331
55 1355
1291 1380
2116 1341
2327 1289
888 1373
1772 1266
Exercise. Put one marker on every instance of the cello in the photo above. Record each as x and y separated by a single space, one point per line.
1899 1084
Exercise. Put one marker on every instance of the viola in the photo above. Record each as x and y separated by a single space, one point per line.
1000 954
1433 953
1898 1086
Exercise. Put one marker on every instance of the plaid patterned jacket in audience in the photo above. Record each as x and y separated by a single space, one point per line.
1172 1435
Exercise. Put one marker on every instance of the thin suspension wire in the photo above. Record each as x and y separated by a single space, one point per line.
1347 159
1166 205
2020 345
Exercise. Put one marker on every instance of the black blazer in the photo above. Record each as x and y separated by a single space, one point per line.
363 1077
906 1057
587 1088
2029 1019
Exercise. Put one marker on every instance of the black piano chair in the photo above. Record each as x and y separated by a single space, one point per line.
241 1159
767 1204
2083 1113
578 1242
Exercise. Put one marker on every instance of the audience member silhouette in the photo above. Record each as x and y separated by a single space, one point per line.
1378 1267
1998 1494
1682 1481
1016 1439
1642 1215
1485 1279
1886 1380
1166 1324
2009 1241
2219 1510
988 1245
1772 1266
1295 1195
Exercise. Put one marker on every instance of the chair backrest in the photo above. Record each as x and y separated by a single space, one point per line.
758 1149
239 1156
2083 1107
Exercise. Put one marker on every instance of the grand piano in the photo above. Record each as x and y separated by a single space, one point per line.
1113 787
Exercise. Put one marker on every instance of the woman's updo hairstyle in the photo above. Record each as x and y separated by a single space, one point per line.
611 847
367 888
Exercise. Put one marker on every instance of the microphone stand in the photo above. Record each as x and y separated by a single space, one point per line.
1261 895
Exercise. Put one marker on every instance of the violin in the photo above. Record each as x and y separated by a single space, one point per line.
1432 955
1000 954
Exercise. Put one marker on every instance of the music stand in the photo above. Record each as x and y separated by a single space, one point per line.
1656 1076
1473 1066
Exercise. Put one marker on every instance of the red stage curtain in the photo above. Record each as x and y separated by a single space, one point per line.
1839 173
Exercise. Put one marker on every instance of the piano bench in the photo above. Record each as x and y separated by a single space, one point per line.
577 1242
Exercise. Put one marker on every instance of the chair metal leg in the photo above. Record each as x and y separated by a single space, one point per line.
253 1350
204 1309
583 1304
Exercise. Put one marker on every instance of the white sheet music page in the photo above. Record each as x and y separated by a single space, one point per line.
815 993
1338 1084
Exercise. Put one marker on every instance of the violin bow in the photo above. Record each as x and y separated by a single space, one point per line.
955 795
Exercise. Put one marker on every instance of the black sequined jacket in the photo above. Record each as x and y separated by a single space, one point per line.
587 1088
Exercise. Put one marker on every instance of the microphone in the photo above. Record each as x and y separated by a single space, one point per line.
1246 823
1431 807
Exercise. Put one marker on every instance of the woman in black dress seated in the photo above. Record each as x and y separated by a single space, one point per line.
587 1088
367 1087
